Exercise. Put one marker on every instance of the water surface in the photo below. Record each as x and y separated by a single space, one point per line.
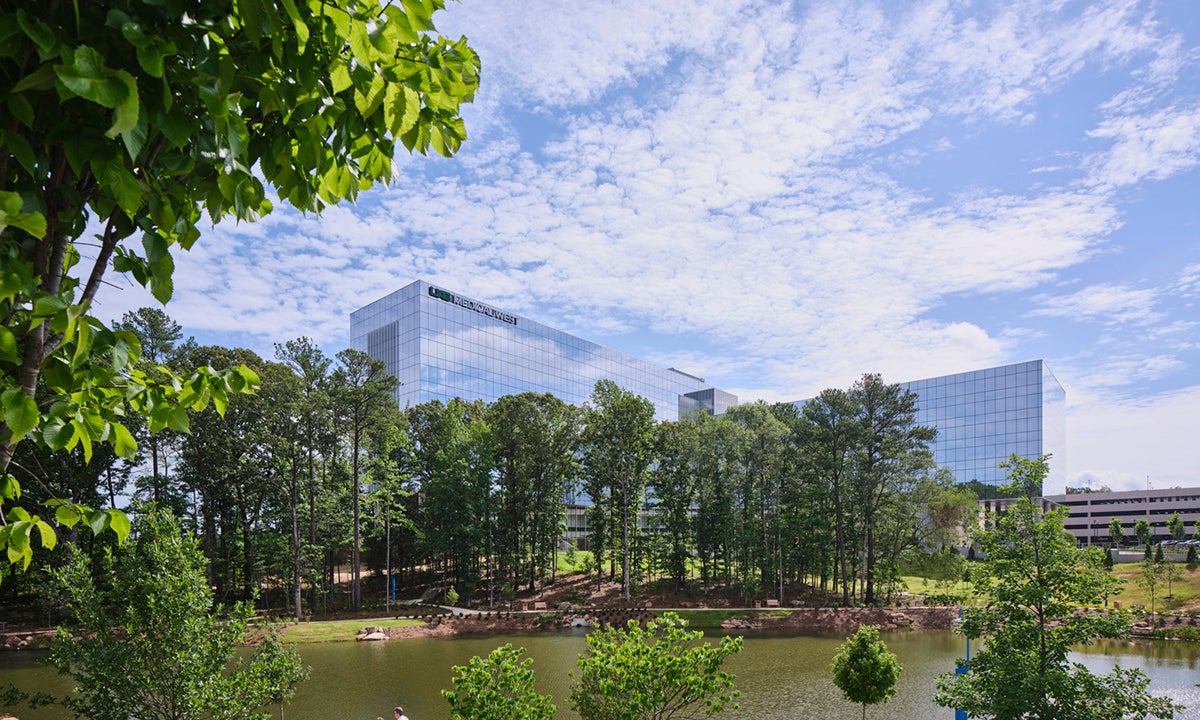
781 677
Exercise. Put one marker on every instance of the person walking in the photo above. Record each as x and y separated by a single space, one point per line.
400 713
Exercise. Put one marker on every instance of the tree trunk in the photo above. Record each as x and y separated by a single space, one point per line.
355 589
293 500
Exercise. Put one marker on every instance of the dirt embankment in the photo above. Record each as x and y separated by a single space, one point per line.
847 620
838 620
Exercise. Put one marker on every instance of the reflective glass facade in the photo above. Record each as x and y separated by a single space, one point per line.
983 416
442 345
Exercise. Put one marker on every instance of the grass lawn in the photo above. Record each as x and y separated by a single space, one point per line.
918 585
338 630
1185 593
581 558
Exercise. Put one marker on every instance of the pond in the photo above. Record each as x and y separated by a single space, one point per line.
781 677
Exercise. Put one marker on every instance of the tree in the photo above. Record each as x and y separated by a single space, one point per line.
225 459
1141 529
674 486
1176 527
1154 572
363 395
148 645
1173 574
1030 584
142 117
453 460
1116 532
661 672
864 670
536 442
616 443
498 688
763 467
830 432
893 449
717 443
157 333
310 414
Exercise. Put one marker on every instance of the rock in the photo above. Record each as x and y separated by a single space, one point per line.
373 636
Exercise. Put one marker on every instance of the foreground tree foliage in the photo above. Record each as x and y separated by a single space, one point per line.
864 670
138 119
497 688
145 642
1031 583
662 672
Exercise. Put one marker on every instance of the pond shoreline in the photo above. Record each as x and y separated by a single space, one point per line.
831 620
800 620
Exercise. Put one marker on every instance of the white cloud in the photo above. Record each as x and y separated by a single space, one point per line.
1151 146
1121 441
1106 303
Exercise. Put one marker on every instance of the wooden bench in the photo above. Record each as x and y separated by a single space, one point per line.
539 606
772 602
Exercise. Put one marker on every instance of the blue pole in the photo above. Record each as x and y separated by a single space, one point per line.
962 670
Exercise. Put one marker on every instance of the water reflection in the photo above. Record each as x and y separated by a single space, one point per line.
780 677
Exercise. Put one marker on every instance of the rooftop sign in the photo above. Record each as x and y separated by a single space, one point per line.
472 305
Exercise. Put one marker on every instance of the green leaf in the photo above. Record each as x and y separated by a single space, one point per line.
401 109
45 306
57 434
39 32
8 346
251 13
161 266
17 514
119 522
83 345
88 78
41 79
81 437
12 215
19 548
126 116
46 533
20 413
99 521
21 150
120 181
420 14
122 441
398 23
220 399
10 489
177 420
67 515
19 537
298 23
339 76
21 109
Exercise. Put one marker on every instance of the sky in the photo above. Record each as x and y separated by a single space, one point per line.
781 197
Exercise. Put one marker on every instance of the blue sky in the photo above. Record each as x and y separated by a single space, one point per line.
781 197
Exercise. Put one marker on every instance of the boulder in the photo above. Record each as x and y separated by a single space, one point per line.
372 636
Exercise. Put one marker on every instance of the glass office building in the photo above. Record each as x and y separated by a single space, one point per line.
442 345
983 416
